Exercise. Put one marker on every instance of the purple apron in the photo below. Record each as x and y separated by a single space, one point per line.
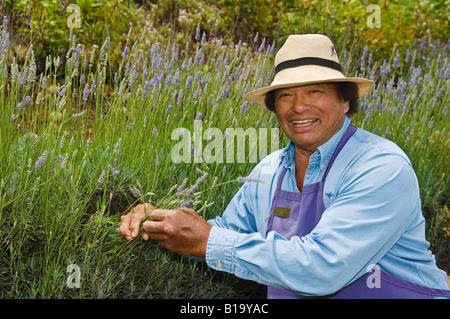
296 214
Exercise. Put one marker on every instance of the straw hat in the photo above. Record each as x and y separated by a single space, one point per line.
306 59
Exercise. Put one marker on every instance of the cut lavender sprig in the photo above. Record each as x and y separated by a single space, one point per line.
251 179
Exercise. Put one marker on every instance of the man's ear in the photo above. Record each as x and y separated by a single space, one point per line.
346 106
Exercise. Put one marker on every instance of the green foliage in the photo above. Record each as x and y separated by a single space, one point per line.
45 23
403 22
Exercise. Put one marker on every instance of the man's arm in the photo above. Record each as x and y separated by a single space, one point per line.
363 223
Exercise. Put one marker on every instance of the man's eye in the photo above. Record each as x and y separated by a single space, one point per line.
283 95
316 91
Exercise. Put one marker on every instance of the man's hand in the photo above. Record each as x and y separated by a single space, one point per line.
131 222
180 231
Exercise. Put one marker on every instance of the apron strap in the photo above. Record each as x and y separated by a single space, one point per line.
280 180
348 133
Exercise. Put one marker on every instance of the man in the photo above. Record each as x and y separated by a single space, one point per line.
338 214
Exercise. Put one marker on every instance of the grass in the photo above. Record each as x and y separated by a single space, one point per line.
78 151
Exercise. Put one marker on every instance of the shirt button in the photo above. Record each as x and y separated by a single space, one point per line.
254 278
219 264
322 166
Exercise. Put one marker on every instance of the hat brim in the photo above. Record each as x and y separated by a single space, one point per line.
258 96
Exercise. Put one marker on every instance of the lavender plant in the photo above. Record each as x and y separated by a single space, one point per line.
79 151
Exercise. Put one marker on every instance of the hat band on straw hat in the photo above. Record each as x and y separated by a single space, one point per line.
308 61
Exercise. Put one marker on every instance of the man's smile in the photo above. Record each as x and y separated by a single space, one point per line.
306 123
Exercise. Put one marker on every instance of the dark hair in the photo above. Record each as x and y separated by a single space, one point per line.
348 91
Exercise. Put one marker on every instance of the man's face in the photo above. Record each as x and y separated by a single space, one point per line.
310 115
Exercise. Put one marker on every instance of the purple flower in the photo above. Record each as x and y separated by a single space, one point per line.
41 160
422 93
176 77
113 171
187 203
79 114
188 81
85 92
101 178
197 182
408 56
396 60
242 179
243 108
168 80
199 116
26 100
183 184
385 69
155 131
125 51
198 76
180 97
197 32
203 41
19 106
261 47
195 95
24 76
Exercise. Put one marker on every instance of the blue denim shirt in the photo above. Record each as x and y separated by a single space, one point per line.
373 217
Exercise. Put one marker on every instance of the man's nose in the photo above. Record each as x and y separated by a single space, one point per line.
301 103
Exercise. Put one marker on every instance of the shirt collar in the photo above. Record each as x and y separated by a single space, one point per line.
323 153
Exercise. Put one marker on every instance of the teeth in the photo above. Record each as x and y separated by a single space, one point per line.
302 123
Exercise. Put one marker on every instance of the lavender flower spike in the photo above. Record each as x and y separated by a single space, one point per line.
197 182
249 179
101 178
41 160
113 171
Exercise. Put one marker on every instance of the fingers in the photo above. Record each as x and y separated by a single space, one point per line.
153 227
156 230
135 224
124 229
159 214
131 222
149 207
